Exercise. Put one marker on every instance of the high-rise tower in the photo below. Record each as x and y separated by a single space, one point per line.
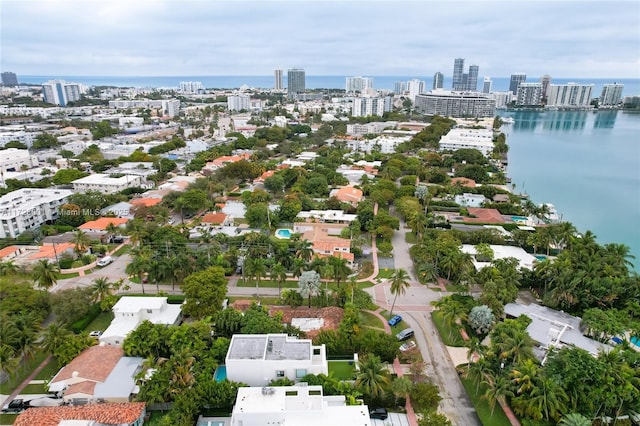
516 79
9 79
486 85
458 69
611 94
277 80
438 81
546 81
472 78
295 82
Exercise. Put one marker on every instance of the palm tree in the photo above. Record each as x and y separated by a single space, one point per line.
8 268
399 284
373 378
53 337
309 284
80 241
45 274
304 250
547 398
8 361
524 375
139 265
498 388
401 386
279 274
101 289
112 230
479 369
339 269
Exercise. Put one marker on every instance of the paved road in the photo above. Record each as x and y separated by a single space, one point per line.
415 308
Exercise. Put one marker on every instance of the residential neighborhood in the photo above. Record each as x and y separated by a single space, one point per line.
255 256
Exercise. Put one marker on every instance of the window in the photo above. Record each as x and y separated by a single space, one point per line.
301 372
291 393
279 373
316 351
149 311
315 392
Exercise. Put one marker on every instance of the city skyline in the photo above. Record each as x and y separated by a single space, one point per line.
194 38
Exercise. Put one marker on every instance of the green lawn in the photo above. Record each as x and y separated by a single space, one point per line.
34 389
341 369
23 372
101 322
482 405
267 284
395 329
449 337
263 300
385 273
370 320
48 371
66 276
7 419
410 238
122 250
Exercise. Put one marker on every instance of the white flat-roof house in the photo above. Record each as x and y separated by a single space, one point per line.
257 359
28 208
295 405
129 312
525 260
470 200
459 138
104 183
331 216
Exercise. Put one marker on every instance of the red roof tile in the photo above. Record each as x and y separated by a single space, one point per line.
94 363
8 251
102 223
484 215
147 202
214 218
105 414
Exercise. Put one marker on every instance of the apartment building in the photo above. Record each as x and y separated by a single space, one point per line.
459 138
384 144
529 94
366 106
358 84
106 183
13 160
29 208
21 136
169 107
238 102
295 405
611 94
257 359
569 95
456 104
59 92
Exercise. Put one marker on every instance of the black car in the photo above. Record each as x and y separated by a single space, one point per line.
378 413
15 406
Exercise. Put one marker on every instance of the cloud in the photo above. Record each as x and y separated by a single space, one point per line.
198 37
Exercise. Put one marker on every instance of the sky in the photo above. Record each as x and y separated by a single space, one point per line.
596 39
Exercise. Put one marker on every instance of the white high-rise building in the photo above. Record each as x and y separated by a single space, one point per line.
277 80
611 94
191 87
28 208
438 81
399 87
59 92
238 102
486 85
569 95
363 107
415 87
358 84
529 94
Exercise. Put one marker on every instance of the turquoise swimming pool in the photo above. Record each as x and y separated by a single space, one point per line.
540 257
284 234
220 374
519 218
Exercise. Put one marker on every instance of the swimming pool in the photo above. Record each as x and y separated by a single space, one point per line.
635 340
220 374
540 257
284 234
519 218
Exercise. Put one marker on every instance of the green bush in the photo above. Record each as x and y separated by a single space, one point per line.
80 325
175 299
66 263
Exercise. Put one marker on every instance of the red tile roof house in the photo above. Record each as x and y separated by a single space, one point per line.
123 414
217 219
484 215
348 194
463 181
325 239
100 225
10 252
98 374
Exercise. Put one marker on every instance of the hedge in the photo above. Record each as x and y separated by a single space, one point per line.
80 325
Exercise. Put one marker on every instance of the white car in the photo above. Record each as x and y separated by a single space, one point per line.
95 334
407 346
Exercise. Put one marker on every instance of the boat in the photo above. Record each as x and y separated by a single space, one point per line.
552 215
507 120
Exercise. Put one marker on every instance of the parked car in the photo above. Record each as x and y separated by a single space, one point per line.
407 346
95 333
405 334
15 406
378 413
395 320
104 261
